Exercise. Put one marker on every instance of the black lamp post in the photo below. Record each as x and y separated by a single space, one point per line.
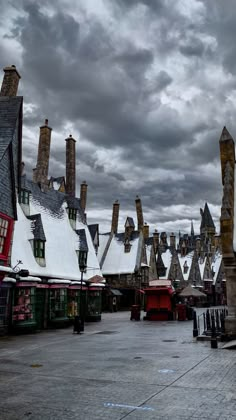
83 254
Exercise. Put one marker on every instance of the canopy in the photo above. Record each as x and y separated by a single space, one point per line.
190 291
97 279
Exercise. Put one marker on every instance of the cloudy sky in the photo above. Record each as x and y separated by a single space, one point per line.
144 86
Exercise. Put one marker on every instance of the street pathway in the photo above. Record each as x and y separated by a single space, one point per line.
118 369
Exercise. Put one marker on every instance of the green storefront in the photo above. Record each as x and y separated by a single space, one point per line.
58 303
77 300
94 302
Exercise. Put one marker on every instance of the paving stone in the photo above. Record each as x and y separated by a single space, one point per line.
144 370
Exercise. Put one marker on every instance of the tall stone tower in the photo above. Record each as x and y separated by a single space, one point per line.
227 222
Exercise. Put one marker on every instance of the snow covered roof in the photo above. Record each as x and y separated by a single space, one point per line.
202 264
118 261
166 258
216 265
103 239
62 241
186 261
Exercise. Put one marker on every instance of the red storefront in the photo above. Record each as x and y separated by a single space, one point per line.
6 228
159 304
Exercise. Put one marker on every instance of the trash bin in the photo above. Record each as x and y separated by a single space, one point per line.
78 324
181 311
135 313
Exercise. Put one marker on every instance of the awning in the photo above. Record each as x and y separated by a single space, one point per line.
116 292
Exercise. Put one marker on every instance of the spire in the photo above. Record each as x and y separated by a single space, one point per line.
207 221
225 135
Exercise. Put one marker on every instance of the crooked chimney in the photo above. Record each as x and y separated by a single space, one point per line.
146 231
139 212
70 167
115 216
40 174
10 81
83 195
172 240
156 240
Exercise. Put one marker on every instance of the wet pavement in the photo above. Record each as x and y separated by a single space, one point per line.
118 369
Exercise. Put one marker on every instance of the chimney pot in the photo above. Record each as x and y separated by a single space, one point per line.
115 216
71 168
41 172
10 81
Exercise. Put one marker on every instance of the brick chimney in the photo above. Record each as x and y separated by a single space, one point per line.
40 173
70 167
10 81
146 231
156 240
139 212
172 240
115 216
83 195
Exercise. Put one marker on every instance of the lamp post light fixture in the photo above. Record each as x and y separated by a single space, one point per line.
83 254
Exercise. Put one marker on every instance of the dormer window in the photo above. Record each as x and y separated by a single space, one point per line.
72 213
3 233
24 197
39 249
186 267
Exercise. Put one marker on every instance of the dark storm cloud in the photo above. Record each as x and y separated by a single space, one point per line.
221 24
137 90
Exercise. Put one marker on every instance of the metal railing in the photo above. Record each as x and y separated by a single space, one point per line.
210 323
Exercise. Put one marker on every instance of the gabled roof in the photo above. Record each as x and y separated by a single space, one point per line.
37 227
116 260
9 113
207 220
93 229
216 264
166 258
130 222
186 260
62 242
52 199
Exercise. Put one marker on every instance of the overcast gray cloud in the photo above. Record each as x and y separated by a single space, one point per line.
145 87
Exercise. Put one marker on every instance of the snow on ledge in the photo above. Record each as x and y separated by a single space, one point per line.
53 281
30 278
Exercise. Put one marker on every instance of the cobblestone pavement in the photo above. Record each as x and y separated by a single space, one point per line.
118 369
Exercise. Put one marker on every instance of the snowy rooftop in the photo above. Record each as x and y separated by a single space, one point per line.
166 258
186 260
118 261
216 265
61 245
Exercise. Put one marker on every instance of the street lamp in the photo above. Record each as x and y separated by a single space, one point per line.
83 254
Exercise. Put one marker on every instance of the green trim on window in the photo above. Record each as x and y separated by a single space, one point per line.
72 214
39 249
24 197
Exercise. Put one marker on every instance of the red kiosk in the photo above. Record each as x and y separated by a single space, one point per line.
159 301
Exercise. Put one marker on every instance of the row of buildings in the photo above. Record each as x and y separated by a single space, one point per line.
44 233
